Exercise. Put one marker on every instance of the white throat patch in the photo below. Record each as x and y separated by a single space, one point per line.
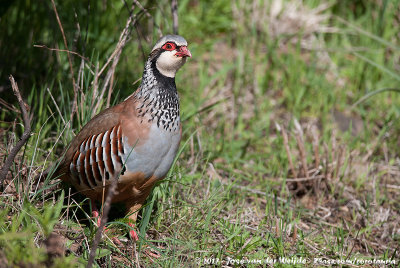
168 64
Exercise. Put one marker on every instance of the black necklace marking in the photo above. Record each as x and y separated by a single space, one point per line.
159 98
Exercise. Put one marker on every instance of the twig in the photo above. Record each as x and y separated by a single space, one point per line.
64 50
81 78
74 104
9 106
326 162
95 85
149 16
104 218
315 143
174 10
338 162
25 136
334 147
123 38
305 179
140 42
348 255
112 70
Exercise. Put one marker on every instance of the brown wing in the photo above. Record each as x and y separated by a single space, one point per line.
98 158
96 152
96 127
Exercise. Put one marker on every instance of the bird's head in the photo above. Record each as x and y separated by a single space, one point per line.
169 54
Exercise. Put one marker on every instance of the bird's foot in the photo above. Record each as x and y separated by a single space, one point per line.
95 213
133 233
114 238
97 217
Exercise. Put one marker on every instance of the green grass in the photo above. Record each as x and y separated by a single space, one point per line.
231 192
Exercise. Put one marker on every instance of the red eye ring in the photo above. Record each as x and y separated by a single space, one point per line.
169 46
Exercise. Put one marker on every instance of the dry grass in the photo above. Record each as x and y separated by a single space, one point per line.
269 167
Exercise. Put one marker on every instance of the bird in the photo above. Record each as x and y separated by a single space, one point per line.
136 139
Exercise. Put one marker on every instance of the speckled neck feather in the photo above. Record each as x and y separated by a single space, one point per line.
159 97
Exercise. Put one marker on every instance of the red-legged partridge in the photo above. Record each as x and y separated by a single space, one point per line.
138 138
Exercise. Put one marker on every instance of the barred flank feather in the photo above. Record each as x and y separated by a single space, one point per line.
99 157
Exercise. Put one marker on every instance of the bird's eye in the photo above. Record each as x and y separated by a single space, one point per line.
169 46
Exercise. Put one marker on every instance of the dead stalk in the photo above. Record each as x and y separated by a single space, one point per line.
95 84
110 88
305 179
174 10
315 143
148 15
300 145
104 218
287 148
25 136
121 41
339 161
65 50
277 229
302 151
123 38
80 80
334 145
327 166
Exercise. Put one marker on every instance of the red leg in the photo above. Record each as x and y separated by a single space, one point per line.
133 212
95 213
133 233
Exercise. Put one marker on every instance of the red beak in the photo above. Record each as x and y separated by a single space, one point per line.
183 52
